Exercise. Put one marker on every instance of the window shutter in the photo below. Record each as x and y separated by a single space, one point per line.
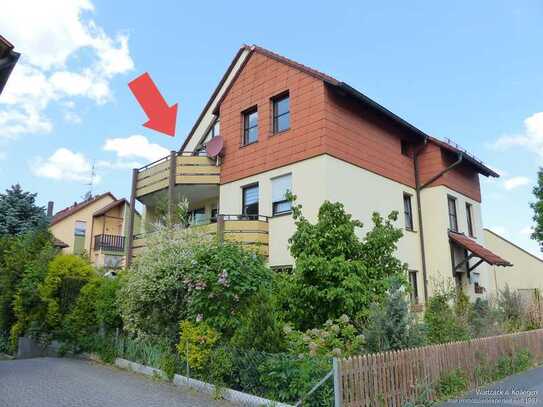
280 186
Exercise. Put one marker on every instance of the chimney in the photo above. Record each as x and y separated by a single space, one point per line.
50 205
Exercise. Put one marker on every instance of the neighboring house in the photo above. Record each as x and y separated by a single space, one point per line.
96 227
526 274
8 59
283 126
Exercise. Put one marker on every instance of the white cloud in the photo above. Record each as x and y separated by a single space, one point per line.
515 182
135 146
531 138
64 165
65 54
526 231
72 117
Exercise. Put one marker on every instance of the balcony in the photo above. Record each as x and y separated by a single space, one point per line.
176 169
250 231
109 243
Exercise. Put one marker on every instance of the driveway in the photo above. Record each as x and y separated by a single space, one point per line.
523 389
52 382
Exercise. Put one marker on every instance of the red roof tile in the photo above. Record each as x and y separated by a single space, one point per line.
478 250
76 207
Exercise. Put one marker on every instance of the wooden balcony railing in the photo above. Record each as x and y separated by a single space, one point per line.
176 169
111 243
250 231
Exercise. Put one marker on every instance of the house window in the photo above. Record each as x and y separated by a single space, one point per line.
250 200
453 219
281 113
197 216
405 148
250 126
414 287
408 211
80 228
470 219
280 187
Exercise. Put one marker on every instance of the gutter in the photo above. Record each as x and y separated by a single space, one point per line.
418 189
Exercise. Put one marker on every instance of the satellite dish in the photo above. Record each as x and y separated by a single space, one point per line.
215 146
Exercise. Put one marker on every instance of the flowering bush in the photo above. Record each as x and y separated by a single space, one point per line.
221 282
183 274
153 298
336 338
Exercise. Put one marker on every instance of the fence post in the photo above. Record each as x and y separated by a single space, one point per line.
187 359
337 384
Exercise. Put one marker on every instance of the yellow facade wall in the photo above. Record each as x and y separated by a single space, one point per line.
327 178
437 247
526 272
112 223
308 183
64 230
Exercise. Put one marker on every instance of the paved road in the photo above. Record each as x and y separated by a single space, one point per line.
51 382
524 389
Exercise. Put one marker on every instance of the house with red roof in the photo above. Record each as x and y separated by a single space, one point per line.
95 227
273 125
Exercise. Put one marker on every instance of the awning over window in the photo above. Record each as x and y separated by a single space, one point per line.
476 250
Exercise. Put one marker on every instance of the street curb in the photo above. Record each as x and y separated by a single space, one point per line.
235 396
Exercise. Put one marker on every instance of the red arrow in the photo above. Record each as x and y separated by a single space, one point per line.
161 117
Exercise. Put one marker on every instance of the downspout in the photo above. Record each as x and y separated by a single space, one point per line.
418 189
419 216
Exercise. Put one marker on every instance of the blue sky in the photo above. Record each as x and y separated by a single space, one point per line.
470 71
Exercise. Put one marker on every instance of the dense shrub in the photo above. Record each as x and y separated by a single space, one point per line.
335 338
442 322
483 319
153 297
23 262
452 384
391 326
336 272
186 275
96 310
287 378
511 309
196 343
221 282
260 328
66 275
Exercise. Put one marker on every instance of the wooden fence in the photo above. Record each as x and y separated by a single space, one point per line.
395 377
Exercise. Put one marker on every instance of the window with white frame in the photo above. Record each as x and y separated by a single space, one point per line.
280 186
80 228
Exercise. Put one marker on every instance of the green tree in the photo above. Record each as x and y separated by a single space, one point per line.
19 213
336 272
537 207
19 255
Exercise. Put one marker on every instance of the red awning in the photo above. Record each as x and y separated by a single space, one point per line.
477 250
